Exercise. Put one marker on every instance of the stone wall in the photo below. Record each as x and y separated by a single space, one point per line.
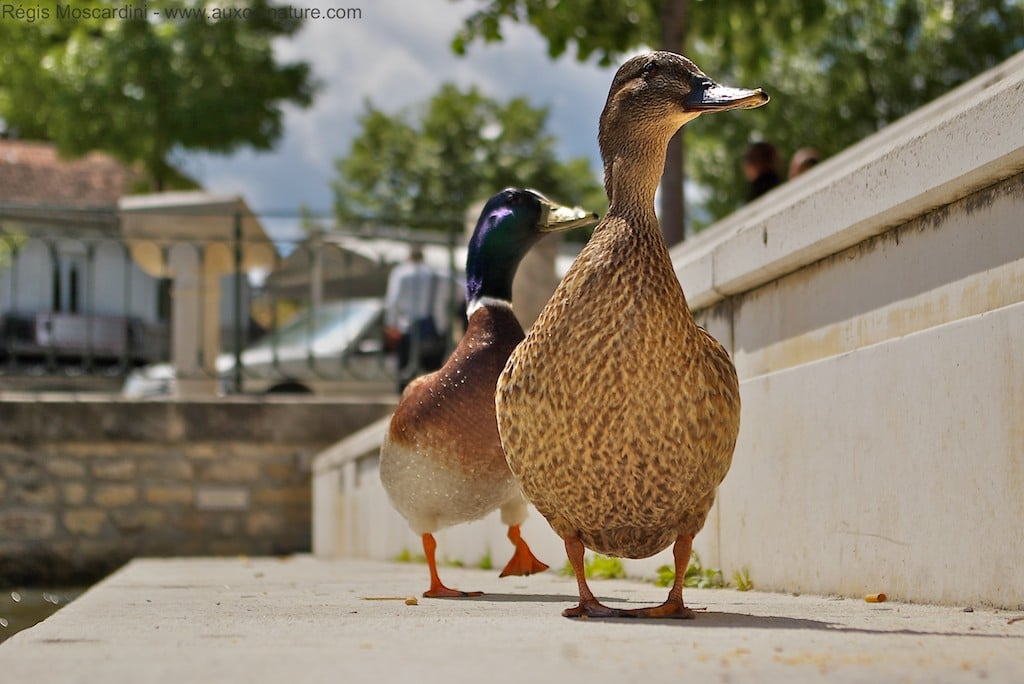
87 483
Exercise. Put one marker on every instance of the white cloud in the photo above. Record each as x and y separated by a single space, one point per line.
396 55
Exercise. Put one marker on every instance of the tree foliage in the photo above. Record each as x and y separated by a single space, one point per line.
426 165
610 28
146 87
864 66
837 70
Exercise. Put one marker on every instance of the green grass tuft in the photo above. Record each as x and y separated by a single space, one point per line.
741 578
697 576
603 567
407 557
599 567
485 562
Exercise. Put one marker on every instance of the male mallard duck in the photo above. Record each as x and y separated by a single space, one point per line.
441 461
618 413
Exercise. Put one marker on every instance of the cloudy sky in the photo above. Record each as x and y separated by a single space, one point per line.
398 54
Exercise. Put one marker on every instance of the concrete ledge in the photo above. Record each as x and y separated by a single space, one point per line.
964 141
267 620
352 448
29 416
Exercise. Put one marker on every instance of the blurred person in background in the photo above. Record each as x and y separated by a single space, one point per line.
803 159
761 168
416 317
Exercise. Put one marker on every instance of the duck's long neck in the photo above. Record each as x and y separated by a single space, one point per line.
491 282
632 174
489 277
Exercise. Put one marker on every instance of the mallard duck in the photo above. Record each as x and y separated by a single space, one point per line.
618 414
441 461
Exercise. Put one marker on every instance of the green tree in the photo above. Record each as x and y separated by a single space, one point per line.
837 70
609 28
864 66
144 88
426 165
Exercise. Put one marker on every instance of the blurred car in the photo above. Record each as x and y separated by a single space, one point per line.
31 337
335 348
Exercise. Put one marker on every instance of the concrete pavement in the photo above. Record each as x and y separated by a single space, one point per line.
305 620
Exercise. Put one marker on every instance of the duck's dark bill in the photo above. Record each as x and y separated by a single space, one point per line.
708 96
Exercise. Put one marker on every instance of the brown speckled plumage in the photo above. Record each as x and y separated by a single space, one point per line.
618 413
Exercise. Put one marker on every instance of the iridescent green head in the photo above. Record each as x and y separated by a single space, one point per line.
511 222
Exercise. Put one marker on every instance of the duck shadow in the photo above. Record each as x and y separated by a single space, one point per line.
724 620
512 598
704 617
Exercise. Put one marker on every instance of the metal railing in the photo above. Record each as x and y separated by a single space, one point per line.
88 296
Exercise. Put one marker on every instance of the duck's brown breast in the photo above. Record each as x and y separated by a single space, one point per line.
451 411
618 414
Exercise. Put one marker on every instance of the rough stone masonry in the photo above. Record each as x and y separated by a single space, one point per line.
87 483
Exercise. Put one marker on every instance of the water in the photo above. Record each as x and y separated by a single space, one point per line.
22 608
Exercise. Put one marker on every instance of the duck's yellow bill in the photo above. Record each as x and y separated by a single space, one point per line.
558 217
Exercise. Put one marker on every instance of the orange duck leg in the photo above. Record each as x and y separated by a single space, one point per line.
592 608
589 605
673 606
523 561
438 590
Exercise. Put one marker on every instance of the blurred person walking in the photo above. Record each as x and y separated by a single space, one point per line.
416 316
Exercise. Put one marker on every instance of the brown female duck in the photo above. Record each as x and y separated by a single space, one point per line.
618 414
441 460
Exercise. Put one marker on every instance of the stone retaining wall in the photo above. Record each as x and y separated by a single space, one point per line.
88 483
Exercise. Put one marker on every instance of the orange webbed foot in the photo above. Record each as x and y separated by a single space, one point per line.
673 607
523 562
593 609
671 610
438 590
444 592
590 607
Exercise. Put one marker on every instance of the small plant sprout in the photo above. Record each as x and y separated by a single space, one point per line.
666 576
696 577
405 556
741 578
699 577
485 562
599 567
603 567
